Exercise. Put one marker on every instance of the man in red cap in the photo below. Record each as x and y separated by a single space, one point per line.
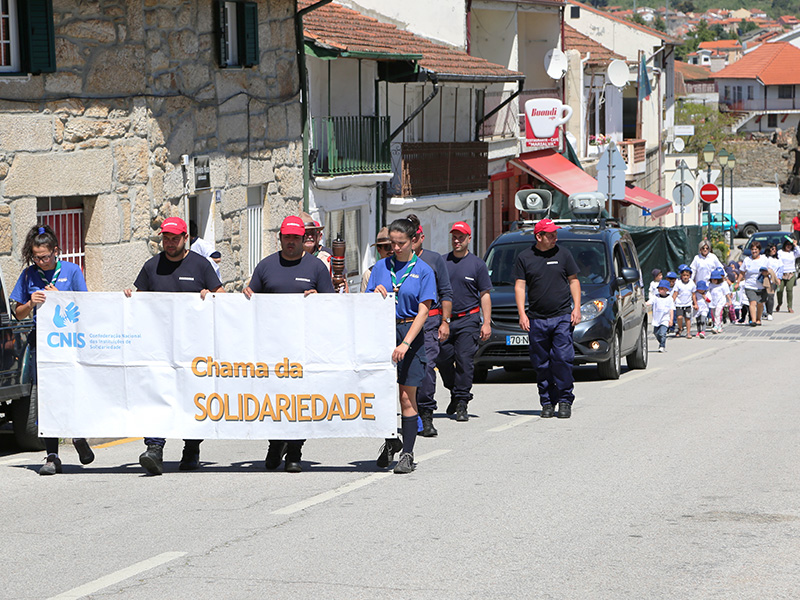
469 278
176 269
291 270
550 275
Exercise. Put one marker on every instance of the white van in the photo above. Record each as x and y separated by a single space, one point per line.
754 208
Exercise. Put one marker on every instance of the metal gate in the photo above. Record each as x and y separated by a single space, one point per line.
68 227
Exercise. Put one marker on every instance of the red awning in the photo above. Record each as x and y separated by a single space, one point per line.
653 203
552 168
568 178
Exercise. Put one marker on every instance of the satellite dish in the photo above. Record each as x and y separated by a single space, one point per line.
555 63
617 73
678 144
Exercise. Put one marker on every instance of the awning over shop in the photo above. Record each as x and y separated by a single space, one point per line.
568 178
653 203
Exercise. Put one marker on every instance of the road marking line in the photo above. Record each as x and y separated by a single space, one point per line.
116 577
347 488
117 442
631 377
518 421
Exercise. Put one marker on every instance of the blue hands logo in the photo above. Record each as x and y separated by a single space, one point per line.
70 315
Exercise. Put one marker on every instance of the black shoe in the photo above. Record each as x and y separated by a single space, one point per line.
51 466
391 447
462 414
293 456
152 459
452 407
275 453
547 411
190 459
85 453
564 410
428 430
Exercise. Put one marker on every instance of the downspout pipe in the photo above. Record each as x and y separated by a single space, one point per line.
497 109
301 65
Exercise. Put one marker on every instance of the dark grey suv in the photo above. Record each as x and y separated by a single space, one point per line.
614 315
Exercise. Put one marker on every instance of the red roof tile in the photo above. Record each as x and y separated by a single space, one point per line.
692 72
343 30
721 45
598 54
772 64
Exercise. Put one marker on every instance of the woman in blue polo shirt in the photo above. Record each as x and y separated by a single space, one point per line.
414 286
47 273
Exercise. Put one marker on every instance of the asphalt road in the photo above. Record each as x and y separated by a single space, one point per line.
680 481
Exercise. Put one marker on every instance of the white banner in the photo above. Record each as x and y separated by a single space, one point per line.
171 365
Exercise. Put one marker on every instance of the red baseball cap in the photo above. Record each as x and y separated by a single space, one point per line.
461 227
293 226
173 225
545 226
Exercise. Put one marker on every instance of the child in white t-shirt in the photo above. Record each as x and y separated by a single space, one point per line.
720 294
683 295
663 307
652 293
701 311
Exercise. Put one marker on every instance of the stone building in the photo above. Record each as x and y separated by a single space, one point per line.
115 114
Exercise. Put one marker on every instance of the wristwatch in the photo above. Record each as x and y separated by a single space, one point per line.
447 320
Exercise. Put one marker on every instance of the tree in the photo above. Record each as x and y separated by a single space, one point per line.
637 18
685 6
660 25
710 125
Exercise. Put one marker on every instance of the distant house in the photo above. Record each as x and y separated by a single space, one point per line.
789 21
732 49
762 88
695 83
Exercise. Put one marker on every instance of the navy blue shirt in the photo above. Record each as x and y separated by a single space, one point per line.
443 289
546 275
192 274
69 280
469 276
419 286
276 275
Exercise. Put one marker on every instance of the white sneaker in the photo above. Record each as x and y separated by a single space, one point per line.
769 317
661 349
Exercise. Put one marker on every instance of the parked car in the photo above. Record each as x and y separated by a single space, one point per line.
766 238
18 406
614 315
720 221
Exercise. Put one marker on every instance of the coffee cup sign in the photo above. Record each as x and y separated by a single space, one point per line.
544 115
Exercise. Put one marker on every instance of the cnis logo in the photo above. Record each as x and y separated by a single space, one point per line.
66 340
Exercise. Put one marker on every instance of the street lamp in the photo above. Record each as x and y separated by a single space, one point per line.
708 156
722 159
731 165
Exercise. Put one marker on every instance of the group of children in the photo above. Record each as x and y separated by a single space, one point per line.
677 299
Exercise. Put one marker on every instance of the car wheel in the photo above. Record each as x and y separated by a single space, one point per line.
24 414
749 230
612 368
638 358
480 375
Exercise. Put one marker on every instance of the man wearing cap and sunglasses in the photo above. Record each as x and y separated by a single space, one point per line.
383 244
291 270
437 329
176 269
469 278
549 274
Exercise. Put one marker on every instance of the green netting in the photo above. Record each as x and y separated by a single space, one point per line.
664 247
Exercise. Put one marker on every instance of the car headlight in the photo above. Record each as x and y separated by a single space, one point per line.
591 309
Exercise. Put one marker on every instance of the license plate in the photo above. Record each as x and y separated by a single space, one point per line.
516 340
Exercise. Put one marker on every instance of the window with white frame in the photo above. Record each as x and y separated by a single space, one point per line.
27 38
238 34
9 36
346 225
255 235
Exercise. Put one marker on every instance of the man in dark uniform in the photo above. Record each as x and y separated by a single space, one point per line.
550 275
437 329
289 271
176 269
470 281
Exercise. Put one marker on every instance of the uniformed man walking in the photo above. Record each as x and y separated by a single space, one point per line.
289 271
469 278
550 275
437 329
176 269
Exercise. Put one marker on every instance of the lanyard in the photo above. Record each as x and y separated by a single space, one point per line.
396 284
55 274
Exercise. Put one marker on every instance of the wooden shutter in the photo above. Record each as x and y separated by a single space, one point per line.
222 33
38 45
248 33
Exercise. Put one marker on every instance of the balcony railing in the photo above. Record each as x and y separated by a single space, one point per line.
634 152
351 145
442 167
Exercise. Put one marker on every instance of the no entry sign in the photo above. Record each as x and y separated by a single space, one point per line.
709 193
